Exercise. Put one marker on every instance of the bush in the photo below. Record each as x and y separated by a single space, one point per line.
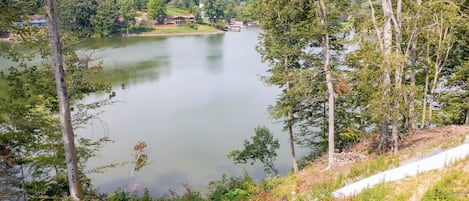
220 25
191 26
233 188
121 195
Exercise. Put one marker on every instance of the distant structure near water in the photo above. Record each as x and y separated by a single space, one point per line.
235 26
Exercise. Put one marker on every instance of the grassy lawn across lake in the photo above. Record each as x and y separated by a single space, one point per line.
184 29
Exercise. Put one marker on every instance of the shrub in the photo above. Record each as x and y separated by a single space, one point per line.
232 188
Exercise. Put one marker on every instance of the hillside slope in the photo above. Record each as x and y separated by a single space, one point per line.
437 162
315 182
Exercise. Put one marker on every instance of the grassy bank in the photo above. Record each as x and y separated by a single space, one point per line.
451 183
174 30
315 182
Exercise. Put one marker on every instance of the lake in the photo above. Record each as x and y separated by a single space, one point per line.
192 99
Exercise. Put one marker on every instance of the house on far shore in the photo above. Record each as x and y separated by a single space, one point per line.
179 20
37 20
34 20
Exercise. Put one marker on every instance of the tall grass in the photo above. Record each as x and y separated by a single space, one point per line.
371 167
453 186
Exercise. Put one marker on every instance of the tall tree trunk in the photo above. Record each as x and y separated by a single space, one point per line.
397 79
413 62
23 183
467 116
64 107
440 61
290 128
432 94
387 47
330 87
424 102
413 65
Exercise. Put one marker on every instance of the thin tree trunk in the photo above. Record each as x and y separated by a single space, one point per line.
413 62
432 95
330 87
23 184
397 80
424 102
467 116
290 128
64 107
440 62
435 80
412 48
387 46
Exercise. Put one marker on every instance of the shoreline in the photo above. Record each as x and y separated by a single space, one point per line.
7 40
172 34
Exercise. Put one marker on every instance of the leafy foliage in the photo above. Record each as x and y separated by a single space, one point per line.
232 188
157 10
30 131
262 148
215 10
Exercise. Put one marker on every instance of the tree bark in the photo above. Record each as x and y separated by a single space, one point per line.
330 87
64 107
413 62
397 79
467 116
290 128
424 102
432 94
440 62
413 65
387 47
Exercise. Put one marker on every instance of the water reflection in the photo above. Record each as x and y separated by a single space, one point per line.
202 100
117 42
214 54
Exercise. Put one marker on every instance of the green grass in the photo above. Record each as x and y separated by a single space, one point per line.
323 190
378 192
453 186
179 30
173 11
373 166
453 142
449 184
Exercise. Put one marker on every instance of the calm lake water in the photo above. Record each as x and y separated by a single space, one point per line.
192 99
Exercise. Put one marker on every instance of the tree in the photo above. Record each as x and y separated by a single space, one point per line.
141 4
440 38
215 10
281 45
156 10
29 120
262 148
64 101
104 22
128 12
330 88
76 16
11 12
